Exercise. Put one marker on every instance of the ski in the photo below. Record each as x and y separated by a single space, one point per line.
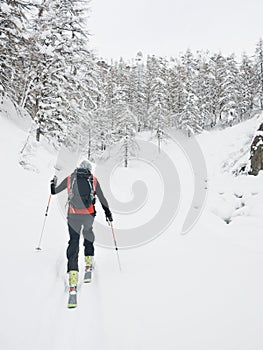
72 300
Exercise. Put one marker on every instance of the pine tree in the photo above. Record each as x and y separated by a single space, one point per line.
232 98
259 71
203 90
217 78
190 118
125 131
13 43
62 84
157 93
137 83
247 87
176 93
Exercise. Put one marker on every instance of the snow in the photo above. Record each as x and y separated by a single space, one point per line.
5 8
198 291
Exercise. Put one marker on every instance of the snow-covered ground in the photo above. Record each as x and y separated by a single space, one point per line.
198 291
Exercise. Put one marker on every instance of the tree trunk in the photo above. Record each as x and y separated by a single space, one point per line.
126 152
38 132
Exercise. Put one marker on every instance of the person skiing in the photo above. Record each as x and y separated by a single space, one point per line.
82 188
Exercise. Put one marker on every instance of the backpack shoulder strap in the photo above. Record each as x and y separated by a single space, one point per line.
95 182
68 183
92 180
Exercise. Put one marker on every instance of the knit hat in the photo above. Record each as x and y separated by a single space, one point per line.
85 164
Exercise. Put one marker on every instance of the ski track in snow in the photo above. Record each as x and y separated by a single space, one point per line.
201 291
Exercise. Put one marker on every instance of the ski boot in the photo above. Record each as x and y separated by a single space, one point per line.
88 269
73 281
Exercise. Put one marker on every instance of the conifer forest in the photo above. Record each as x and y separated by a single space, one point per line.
49 71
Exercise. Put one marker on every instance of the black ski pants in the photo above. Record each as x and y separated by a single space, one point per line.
79 224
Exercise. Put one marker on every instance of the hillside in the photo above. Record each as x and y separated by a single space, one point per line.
197 291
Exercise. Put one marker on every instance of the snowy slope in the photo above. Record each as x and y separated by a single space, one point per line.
201 291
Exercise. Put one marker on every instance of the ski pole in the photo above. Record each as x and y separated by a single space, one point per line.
115 243
49 199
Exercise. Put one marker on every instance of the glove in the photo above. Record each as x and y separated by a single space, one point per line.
109 218
53 184
54 181
108 214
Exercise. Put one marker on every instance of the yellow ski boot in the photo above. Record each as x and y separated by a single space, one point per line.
73 281
88 269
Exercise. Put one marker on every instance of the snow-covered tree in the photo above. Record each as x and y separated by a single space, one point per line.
231 103
138 91
47 68
62 87
13 44
217 79
247 87
202 89
157 93
190 119
126 126
259 71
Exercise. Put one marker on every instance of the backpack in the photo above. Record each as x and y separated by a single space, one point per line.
81 193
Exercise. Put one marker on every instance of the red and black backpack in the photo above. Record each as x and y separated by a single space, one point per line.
81 192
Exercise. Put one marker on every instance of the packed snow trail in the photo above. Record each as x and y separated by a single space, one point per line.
201 291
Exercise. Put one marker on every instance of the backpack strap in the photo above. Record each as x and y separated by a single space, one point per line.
95 183
68 183
92 180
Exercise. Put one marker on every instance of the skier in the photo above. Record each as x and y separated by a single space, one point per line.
82 187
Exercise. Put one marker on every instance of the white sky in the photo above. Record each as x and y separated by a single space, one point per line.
168 27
